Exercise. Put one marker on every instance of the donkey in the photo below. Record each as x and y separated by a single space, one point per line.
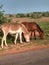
35 29
14 28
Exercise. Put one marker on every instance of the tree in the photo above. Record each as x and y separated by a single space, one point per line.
46 14
2 18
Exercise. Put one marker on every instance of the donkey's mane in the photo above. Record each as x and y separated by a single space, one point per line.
24 28
38 27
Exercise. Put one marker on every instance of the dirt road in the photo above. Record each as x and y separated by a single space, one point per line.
37 57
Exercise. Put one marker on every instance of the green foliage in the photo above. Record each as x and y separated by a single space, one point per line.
28 15
34 14
20 15
46 14
10 15
44 26
9 20
2 18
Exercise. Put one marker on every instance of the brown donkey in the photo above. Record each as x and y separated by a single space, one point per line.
16 29
35 29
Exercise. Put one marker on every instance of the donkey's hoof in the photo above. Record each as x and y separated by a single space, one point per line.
15 43
1 46
6 45
21 42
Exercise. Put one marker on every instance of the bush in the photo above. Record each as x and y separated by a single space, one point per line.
36 15
2 18
20 15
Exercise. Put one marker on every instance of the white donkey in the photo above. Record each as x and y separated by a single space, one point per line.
14 28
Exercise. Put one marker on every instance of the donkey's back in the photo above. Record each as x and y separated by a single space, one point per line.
12 26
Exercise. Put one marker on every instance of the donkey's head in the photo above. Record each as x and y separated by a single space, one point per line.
27 37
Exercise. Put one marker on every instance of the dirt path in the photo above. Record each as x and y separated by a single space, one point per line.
37 57
19 48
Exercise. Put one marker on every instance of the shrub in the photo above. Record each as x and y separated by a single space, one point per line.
2 18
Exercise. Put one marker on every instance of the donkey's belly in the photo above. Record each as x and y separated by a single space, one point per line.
15 31
12 32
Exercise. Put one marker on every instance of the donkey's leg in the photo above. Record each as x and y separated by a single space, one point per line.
4 40
20 37
16 38
34 35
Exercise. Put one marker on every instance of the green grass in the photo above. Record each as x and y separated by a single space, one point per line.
44 26
41 42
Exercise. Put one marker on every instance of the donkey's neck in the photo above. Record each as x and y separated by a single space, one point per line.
25 31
